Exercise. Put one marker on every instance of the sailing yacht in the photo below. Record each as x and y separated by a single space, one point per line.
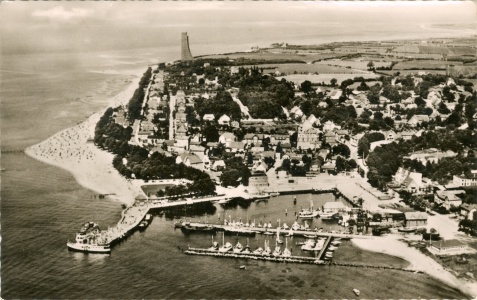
286 251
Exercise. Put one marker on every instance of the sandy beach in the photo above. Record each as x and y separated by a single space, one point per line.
70 150
418 261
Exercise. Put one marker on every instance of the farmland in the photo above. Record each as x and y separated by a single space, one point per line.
277 56
308 68
325 78
354 64
424 64
440 50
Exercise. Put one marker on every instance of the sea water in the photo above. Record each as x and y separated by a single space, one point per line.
43 206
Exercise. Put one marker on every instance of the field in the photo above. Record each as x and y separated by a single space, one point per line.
154 188
354 64
325 78
424 64
412 72
309 68
440 50
277 56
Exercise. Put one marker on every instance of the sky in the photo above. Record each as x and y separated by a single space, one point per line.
68 26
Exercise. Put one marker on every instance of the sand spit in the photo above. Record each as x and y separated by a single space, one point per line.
91 167
418 261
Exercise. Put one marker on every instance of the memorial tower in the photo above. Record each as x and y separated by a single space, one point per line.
185 50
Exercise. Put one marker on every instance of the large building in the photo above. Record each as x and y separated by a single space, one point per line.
185 50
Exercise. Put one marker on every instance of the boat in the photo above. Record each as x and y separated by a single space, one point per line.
274 194
90 239
286 252
290 233
310 236
308 213
277 251
143 225
188 228
215 245
357 292
308 245
239 231
279 241
242 267
268 233
238 247
335 243
406 229
285 226
259 250
267 251
329 254
296 226
332 248
224 201
148 218
225 248
326 216
247 248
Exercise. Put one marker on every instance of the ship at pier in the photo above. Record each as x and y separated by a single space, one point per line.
90 239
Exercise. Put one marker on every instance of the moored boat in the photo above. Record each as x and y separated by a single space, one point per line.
357 292
90 239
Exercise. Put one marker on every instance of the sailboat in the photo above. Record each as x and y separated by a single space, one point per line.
238 247
215 245
286 251
267 251
247 248
308 214
277 250
279 241
225 246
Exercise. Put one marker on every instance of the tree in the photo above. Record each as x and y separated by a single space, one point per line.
306 87
306 107
370 65
333 81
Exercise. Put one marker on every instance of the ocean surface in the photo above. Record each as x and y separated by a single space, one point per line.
43 206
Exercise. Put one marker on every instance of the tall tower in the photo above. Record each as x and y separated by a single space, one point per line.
185 50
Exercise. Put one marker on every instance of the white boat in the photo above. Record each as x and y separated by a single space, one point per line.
259 250
238 247
290 232
214 247
335 243
296 226
326 216
90 239
247 248
332 248
148 218
357 292
308 214
285 226
309 245
286 252
277 251
225 248
274 194
279 241
267 251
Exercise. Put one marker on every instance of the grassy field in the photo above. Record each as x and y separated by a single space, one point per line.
277 56
406 72
154 188
424 64
354 64
308 68
325 78
440 50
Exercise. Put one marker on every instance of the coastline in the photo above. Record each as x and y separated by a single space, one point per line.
91 167
418 261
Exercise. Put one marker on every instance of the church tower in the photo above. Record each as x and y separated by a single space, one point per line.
185 50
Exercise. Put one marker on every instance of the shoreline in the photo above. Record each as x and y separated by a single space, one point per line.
90 166
391 245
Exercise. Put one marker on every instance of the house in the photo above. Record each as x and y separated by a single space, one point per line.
279 138
218 165
236 146
408 181
194 161
258 180
335 94
329 126
448 198
224 120
323 153
308 138
330 138
467 179
342 133
389 135
430 155
469 211
252 138
334 207
208 117
235 124
415 219
407 135
417 119
449 247
226 138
